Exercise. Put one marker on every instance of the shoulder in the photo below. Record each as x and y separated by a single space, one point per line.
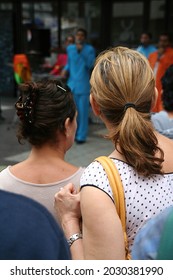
171 53
170 50
147 240
26 206
95 176
29 221
92 169
71 47
4 173
159 116
89 47
152 47
139 48
4 170
153 55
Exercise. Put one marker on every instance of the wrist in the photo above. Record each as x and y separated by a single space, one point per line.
74 237
70 227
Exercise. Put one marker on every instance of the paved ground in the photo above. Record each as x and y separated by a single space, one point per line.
12 152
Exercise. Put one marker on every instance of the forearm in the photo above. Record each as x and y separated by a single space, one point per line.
76 248
67 206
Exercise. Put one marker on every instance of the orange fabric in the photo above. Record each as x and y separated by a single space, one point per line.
21 67
164 62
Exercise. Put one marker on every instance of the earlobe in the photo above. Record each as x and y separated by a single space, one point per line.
95 106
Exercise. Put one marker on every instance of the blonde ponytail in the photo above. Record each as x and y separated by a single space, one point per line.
122 76
137 142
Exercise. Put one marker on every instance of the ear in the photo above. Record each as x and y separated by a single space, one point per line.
95 106
154 99
67 125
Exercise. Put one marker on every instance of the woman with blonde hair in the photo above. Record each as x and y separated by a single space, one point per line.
122 94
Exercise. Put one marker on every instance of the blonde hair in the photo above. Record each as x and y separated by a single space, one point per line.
122 76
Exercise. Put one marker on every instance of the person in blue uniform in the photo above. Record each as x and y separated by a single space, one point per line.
81 58
146 47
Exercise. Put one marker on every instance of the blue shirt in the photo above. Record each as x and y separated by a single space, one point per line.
147 240
163 123
28 231
146 50
79 67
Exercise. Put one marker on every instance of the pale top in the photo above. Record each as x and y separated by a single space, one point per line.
43 193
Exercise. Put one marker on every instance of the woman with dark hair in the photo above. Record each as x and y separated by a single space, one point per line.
47 114
122 94
163 121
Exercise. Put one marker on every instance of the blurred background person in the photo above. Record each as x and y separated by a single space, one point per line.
155 240
146 47
47 114
62 57
163 121
28 231
81 58
160 60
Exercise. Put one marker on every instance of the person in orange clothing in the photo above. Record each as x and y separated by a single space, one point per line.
160 60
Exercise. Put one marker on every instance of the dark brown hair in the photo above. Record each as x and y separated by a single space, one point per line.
43 107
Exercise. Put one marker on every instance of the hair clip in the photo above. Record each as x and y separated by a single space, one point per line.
61 88
19 105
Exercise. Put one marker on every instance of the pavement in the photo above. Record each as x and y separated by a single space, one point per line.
12 152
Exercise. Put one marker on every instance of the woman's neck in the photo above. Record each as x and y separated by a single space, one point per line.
46 152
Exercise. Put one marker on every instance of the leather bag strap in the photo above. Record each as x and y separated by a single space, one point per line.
118 193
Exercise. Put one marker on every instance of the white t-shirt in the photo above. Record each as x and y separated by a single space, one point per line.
144 197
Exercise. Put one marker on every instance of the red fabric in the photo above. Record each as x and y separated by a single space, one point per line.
60 63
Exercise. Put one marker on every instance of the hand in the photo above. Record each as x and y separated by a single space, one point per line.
64 74
67 204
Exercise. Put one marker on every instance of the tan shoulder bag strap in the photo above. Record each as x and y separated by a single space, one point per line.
118 193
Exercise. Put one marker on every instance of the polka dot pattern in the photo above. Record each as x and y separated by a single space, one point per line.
144 197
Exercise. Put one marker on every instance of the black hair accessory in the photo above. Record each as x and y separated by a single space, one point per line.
129 105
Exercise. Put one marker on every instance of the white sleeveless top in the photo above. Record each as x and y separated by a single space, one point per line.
144 197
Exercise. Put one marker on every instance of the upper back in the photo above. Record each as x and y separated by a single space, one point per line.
41 192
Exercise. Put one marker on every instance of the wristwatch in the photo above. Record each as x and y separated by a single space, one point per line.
73 238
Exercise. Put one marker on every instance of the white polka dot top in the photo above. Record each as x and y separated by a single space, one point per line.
144 197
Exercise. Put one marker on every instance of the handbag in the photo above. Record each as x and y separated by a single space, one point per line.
118 193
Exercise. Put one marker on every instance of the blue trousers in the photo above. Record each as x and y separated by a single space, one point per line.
82 104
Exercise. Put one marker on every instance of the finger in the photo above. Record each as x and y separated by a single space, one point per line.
69 187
